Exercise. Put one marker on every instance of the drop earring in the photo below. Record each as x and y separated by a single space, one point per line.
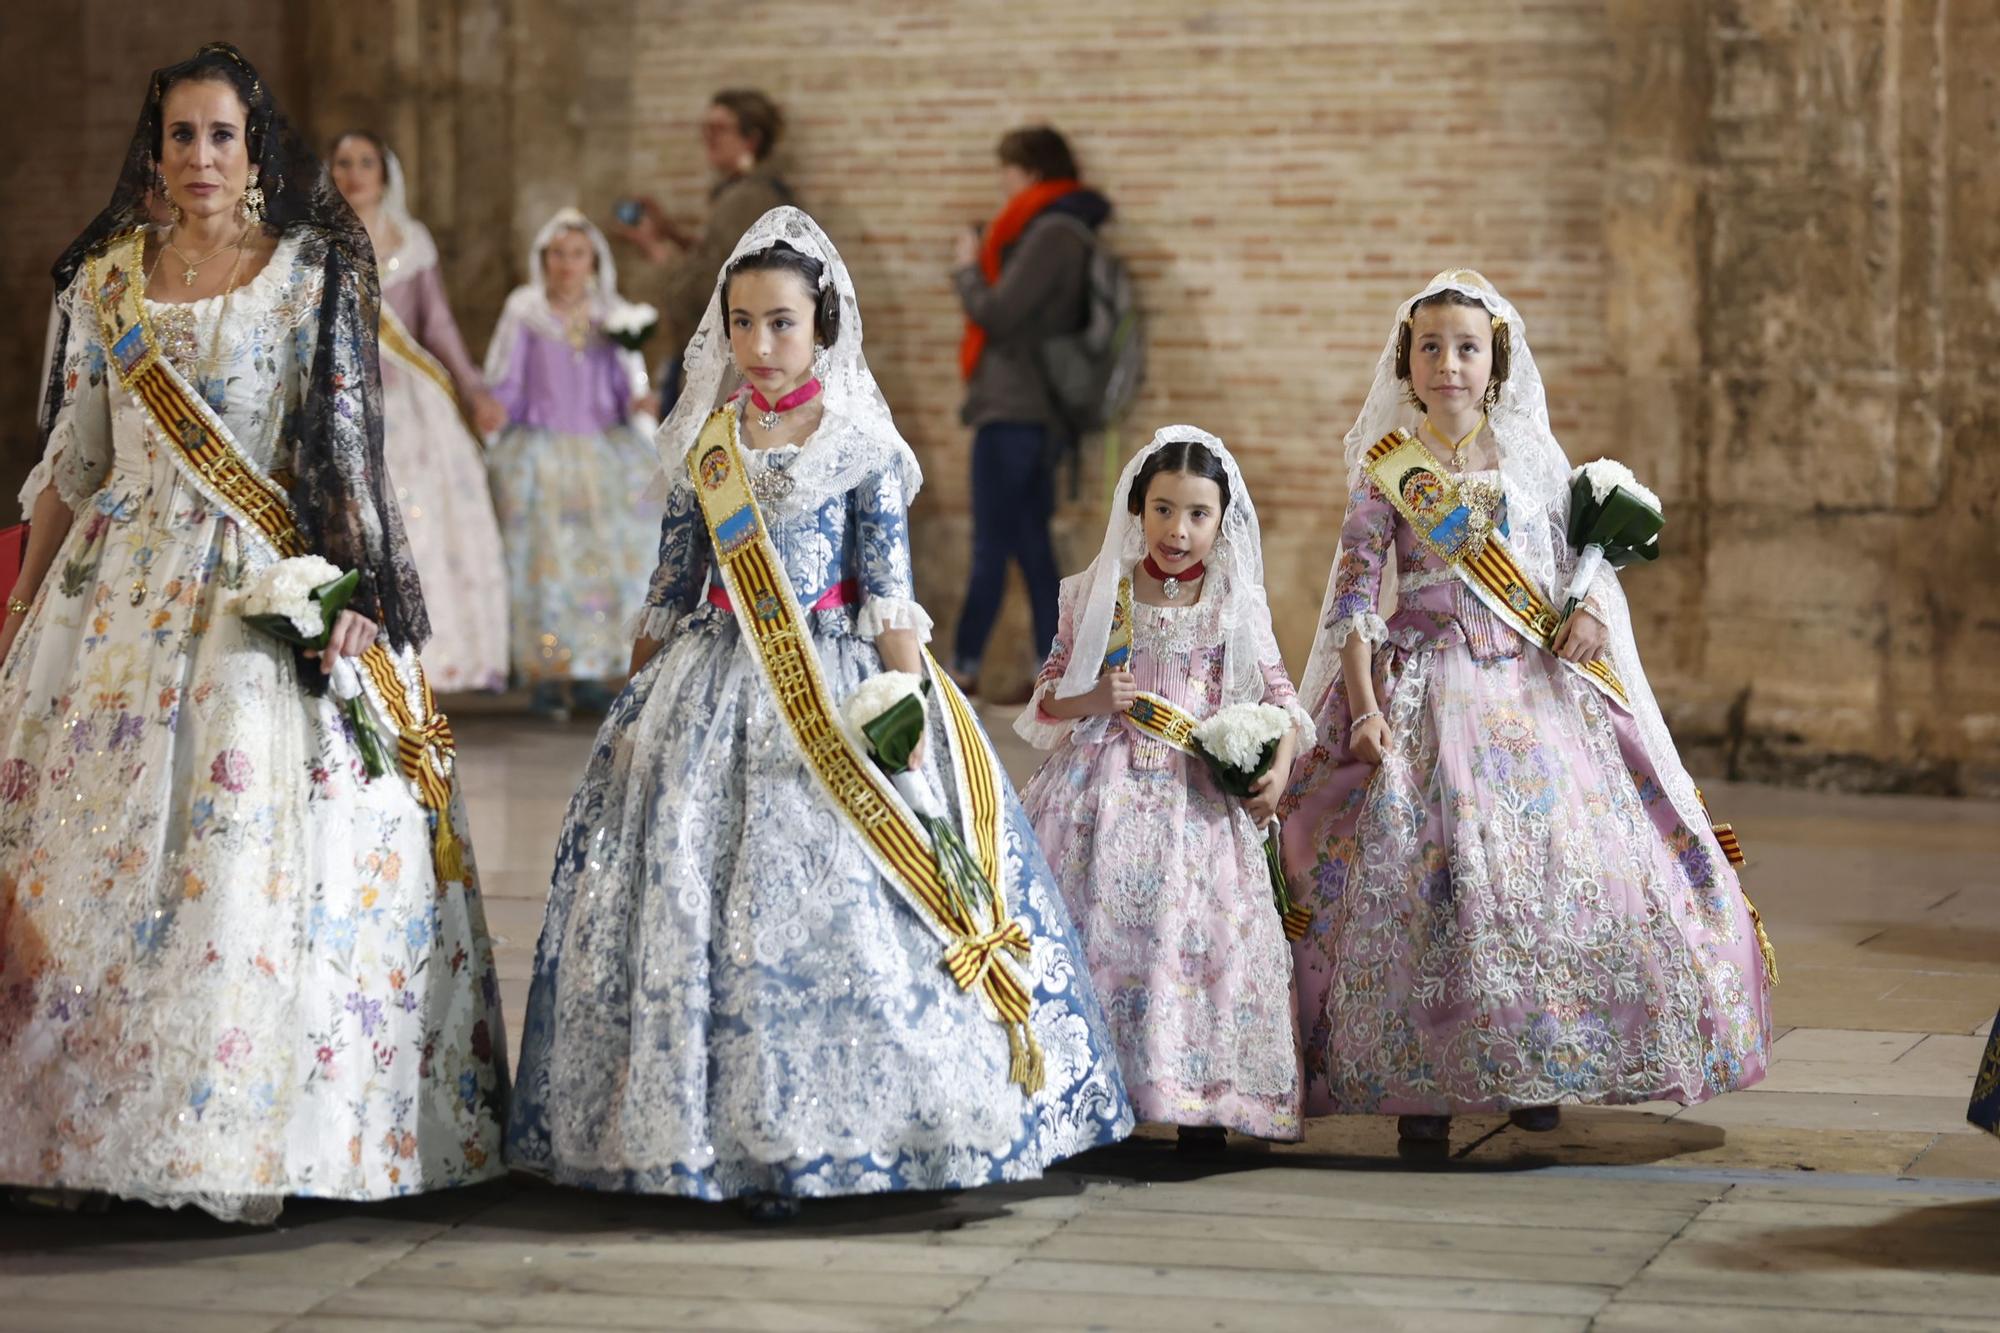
820 361
166 196
253 200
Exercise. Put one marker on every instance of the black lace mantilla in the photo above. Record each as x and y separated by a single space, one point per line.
340 489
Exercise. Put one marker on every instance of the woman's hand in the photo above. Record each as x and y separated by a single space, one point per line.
1265 792
643 650
487 414
1582 638
651 232
351 637
1369 740
966 253
646 405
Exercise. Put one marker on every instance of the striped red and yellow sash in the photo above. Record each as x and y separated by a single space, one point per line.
982 956
210 459
1429 499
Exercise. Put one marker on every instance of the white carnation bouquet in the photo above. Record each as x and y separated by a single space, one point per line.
630 324
297 601
1612 519
1240 743
885 716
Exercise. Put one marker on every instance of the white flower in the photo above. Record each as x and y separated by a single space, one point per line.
630 319
286 589
874 697
1608 474
1238 734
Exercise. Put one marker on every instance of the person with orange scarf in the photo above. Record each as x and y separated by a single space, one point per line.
1021 281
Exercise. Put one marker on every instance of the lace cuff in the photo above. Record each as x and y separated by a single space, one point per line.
1038 728
653 622
1308 731
882 613
1370 626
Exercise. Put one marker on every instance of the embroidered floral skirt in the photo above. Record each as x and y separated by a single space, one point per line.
228 972
440 481
729 997
1167 881
580 518
1508 912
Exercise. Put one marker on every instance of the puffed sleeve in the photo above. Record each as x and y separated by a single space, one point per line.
683 568
882 539
78 456
438 331
1367 538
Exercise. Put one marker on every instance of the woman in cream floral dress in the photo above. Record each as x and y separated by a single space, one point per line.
229 968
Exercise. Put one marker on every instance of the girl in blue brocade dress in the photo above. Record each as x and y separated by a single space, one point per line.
729 998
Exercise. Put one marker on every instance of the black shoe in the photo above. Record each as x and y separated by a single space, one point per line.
770 1210
1202 1140
1423 1128
1536 1119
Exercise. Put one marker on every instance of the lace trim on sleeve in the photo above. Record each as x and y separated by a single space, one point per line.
884 613
1370 626
653 622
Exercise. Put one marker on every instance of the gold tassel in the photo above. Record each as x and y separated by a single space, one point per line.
1298 920
447 851
1026 1067
1763 942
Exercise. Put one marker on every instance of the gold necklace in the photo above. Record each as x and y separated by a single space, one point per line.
1457 449
188 273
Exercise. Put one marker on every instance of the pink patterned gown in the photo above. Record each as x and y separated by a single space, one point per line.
1508 912
1165 877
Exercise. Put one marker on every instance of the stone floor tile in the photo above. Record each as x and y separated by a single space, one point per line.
1627 1316
1959 1156
1825 1110
1845 1044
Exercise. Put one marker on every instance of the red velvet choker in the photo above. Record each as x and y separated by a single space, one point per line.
805 393
1171 584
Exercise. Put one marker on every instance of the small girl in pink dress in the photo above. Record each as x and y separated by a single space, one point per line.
1164 873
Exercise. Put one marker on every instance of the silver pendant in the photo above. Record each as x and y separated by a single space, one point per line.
769 421
1171 589
771 485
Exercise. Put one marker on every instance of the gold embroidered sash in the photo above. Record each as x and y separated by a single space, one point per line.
396 341
978 955
1451 524
210 459
1118 644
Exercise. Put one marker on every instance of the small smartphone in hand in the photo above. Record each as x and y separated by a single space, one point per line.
628 211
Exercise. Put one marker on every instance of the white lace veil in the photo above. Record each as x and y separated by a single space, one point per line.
857 437
418 250
530 303
1536 475
1235 579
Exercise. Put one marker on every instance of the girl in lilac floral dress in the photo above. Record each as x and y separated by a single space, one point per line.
1520 899
1164 873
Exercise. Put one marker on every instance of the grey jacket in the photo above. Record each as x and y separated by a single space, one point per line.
1040 294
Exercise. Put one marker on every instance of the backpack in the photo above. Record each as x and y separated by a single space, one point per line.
1094 372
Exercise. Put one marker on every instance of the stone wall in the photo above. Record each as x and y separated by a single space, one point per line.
1749 239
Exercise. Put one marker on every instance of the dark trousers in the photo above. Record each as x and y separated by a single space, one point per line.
1013 496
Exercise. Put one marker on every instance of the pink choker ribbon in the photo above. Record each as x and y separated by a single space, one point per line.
805 393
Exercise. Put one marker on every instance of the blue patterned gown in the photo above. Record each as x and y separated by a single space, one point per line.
728 997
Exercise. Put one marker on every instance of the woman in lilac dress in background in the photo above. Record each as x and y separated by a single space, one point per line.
573 473
434 462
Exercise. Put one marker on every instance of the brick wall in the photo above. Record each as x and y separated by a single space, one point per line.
1750 240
